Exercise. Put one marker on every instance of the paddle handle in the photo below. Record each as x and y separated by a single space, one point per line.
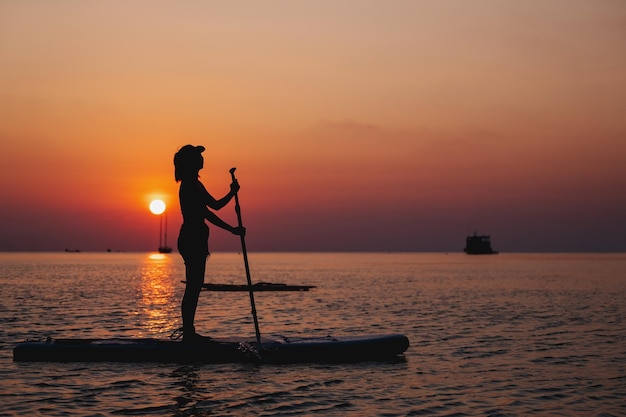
245 262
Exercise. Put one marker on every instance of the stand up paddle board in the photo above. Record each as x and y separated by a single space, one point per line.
218 350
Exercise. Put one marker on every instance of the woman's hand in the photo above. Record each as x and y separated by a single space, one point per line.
234 187
239 231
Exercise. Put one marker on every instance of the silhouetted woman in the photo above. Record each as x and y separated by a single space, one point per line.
195 202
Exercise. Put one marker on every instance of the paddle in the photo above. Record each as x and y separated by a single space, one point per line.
245 261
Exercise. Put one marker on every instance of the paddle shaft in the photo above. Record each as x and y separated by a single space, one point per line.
247 266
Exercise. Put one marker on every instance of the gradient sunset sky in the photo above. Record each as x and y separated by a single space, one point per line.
354 125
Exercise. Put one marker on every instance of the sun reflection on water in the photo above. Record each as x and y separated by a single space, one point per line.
158 299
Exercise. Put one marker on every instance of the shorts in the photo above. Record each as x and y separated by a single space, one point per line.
193 242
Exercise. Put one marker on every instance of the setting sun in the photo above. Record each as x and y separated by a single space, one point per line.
157 207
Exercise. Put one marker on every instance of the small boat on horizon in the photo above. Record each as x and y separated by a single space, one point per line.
478 245
165 249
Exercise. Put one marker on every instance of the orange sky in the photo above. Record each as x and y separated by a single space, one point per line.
354 125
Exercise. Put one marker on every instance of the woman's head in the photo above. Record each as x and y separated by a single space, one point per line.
187 162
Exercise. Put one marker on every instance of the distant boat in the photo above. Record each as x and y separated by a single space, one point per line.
165 249
478 245
163 232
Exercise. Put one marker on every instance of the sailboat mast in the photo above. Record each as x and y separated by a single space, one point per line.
160 229
165 232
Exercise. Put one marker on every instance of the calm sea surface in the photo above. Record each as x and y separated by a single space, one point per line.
510 334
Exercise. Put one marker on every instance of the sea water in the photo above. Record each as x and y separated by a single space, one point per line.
508 334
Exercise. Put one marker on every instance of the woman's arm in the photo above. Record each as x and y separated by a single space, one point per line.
214 219
210 201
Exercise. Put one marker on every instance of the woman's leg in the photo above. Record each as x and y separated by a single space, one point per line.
194 274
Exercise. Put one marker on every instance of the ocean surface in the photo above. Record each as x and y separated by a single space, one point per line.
500 335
